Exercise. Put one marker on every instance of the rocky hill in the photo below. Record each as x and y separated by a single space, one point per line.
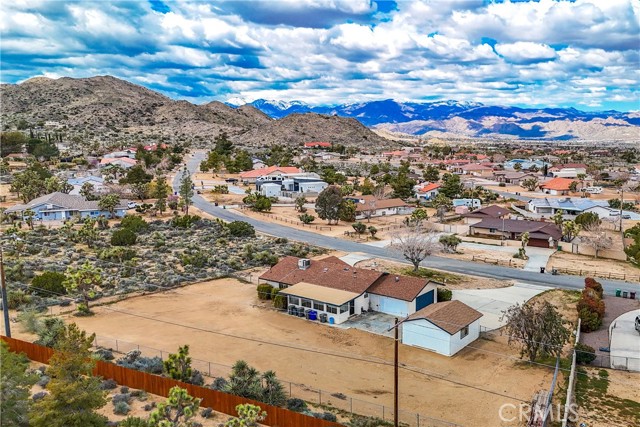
114 112
474 120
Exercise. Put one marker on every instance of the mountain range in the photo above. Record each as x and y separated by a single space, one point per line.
472 119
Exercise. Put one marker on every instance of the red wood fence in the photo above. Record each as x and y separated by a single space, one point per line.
155 384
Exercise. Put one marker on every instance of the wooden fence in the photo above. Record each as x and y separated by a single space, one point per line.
155 384
288 221
496 261
602 274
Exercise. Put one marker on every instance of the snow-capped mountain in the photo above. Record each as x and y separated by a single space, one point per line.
473 119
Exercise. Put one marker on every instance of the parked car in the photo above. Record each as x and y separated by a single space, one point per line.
593 190
132 205
626 216
231 180
638 323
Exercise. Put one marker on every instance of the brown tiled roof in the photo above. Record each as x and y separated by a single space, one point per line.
329 274
521 226
492 211
380 204
450 316
557 184
406 288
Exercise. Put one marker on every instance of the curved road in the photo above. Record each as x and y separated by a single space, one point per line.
446 264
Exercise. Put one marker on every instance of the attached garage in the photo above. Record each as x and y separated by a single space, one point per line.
401 295
444 327
425 299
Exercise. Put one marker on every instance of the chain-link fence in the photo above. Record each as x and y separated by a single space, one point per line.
321 398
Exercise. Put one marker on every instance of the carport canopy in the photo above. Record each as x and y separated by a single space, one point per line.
320 293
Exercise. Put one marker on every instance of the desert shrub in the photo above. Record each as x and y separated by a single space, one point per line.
30 321
266 258
149 406
328 416
197 259
584 354
17 299
123 237
282 240
39 395
104 354
279 301
196 378
133 422
589 300
296 405
121 408
264 291
134 223
108 384
117 254
50 331
591 283
218 383
121 397
298 250
444 294
43 381
589 321
134 360
184 221
48 283
206 413
241 229
502 184
124 389
141 395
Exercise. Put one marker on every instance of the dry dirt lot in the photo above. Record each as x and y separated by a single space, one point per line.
224 310
472 254
589 263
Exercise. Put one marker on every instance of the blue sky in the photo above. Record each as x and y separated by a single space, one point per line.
582 53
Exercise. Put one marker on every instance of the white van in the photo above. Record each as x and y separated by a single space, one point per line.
593 190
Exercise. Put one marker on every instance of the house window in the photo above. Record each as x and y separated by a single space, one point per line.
294 300
332 309
318 306
344 308
492 230
306 303
464 332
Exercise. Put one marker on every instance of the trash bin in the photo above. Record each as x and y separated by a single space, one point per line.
313 315
215 204
554 272
542 270
331 321
323 317
618 292
306 314
632 295
625 294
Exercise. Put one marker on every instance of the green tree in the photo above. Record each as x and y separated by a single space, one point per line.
186 190
450 242
347 211
241 229
248 416
108 203
140 190
223 146
11 142
136 175
242 161
372 230
328 204
178 365
588 219
74 394
53 184
442 204
300 202
212 162
367 187
402 185
160 192
178 411
29 217
419 215
84 279
88 191
537 328
517 167
123 237
244 381
15 388
88 234
306 218
272 390
431 173
45 150
48 283
570 230
359 227
530 184
451 186
257 202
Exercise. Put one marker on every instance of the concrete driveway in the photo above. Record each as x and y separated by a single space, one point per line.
625 342
492 302
538 257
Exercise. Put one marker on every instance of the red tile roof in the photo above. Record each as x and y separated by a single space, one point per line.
266 171
428 187
450 316
317 144
559 184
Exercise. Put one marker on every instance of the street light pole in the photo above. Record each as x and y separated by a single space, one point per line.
5 304
395 375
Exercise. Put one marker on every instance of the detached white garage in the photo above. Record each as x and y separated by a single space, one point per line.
401 295
444 327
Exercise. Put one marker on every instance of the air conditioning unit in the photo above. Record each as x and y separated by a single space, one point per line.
304 263
49 206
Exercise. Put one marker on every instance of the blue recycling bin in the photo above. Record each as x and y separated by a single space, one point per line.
331 321
313 315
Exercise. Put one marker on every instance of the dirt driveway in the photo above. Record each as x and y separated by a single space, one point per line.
210 316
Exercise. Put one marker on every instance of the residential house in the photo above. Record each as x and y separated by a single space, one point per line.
570 206
369 206
290 183
513 177
123 162
332 287
557 186
470 203
541 234
60 206
444 327
271 173
491 211
324 145
525 164
96 181
474 169
427 191
568 170
129 152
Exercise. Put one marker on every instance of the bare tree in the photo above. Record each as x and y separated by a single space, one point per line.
376 195
416 243
597 238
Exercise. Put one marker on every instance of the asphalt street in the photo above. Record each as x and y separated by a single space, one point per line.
446 264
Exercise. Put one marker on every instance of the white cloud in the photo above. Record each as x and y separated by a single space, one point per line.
526 52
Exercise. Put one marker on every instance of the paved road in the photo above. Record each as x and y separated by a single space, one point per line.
446 264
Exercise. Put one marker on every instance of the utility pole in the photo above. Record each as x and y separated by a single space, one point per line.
395 375
5 304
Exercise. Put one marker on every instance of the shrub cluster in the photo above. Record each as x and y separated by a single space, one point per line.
444 294
134 360
48 283
584 354
591 306
264 291
123 237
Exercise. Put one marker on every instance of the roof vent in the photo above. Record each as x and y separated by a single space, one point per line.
304 263
324 270
397 279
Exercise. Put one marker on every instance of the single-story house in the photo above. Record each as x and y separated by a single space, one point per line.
60 206
271 173
470 203
491 211
541 234
511 177
332 287
427 191
317 145
568 170
96 181
123 162
557 186
570 206
271 189
370 206
474 169
444 327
